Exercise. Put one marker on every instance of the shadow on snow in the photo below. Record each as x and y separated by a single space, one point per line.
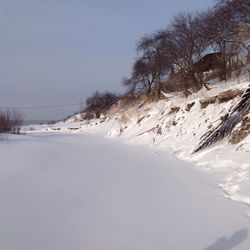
225 243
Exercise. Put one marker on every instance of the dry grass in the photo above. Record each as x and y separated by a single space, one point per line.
229 95
221 97
241 132
210 100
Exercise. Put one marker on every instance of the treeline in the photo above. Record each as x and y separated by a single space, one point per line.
174 52
179 56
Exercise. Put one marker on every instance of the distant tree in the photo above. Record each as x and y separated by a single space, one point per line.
10 121
100 102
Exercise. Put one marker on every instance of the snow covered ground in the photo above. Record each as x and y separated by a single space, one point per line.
60 191
176 125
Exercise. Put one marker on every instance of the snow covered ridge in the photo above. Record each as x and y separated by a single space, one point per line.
177 125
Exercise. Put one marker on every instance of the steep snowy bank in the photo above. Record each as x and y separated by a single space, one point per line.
176 125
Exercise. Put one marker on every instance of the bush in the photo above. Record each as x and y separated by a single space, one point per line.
98 104
101 100
10 121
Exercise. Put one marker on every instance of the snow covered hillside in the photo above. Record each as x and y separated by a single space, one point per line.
65 191
176 125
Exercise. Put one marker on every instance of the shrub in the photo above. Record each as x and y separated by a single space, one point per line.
10 121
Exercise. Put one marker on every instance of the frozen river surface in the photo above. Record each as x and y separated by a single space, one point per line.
83 192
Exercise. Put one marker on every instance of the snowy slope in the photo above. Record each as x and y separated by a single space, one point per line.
176 125
65 191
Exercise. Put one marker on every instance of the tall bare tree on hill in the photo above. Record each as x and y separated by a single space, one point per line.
155 50
187 46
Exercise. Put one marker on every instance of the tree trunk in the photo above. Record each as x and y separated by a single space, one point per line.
158 88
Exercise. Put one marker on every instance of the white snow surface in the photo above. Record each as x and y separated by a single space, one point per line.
116 182
62 191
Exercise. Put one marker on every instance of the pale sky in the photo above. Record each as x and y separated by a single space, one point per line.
55 52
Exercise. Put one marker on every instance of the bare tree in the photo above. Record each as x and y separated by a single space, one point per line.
99 102
239 9
10 121
154 51
174 52
220 32
142 78
187 46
